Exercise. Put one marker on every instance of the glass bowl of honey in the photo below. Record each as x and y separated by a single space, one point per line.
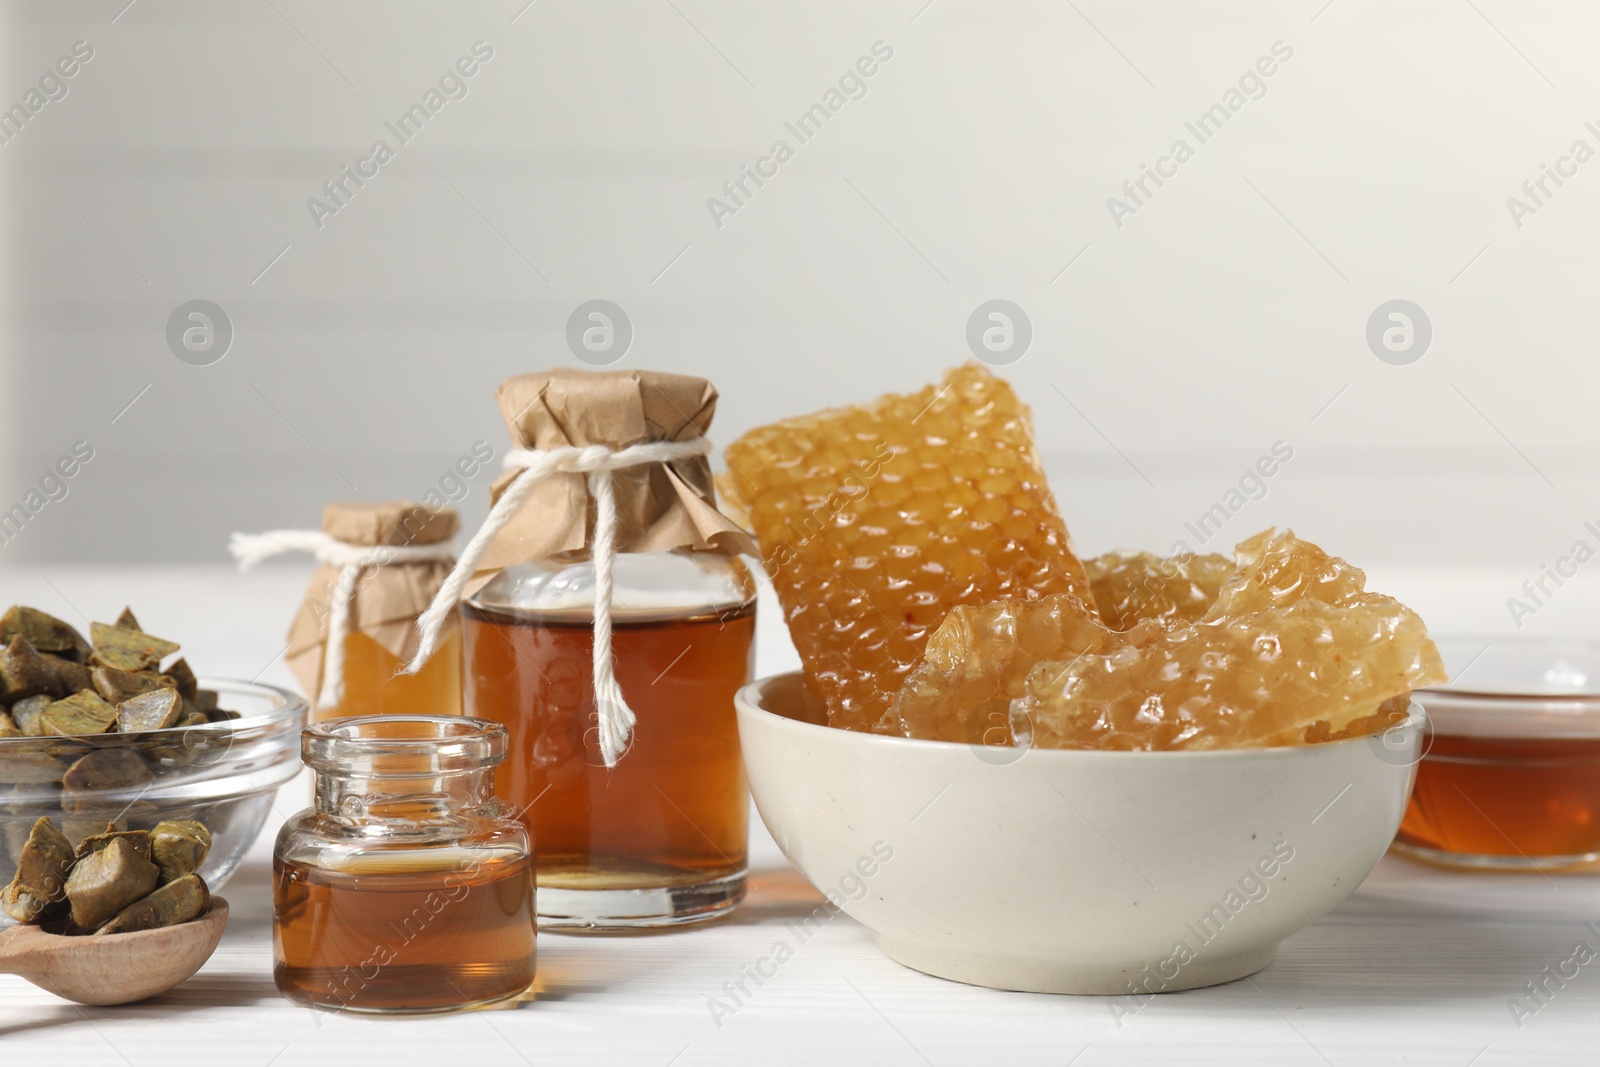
1509 779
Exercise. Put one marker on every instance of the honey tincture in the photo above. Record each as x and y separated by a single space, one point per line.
660 838
607 614
356 627
404 888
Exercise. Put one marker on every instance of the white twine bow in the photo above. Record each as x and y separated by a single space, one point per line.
250 549
614 718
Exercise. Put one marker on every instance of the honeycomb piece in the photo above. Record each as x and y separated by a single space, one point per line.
1132 586
1275 570
875 521
1391 713
1310 671
976 662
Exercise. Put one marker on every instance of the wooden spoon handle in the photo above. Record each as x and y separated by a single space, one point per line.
20 946
9 949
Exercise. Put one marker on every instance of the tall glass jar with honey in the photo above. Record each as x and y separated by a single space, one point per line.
652 832
660 838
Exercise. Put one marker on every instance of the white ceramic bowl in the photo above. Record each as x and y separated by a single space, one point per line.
1066 871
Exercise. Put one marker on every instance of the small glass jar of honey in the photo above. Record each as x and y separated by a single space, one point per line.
1510 775
406 887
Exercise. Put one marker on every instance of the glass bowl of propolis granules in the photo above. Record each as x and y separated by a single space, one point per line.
1020 768
93 746
1509 772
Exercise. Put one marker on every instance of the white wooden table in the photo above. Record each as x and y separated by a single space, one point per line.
1418 967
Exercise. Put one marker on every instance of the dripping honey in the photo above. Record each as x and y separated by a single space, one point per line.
383 935
1521 799
673 811
373 684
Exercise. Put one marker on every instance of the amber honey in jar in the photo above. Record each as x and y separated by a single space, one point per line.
374 684
404 889
382 564
607 619
1509 778
661 837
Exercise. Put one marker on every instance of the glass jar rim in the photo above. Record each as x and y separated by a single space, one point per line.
1516 686
402 746
648 585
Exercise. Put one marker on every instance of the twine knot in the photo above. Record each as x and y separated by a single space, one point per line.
614 718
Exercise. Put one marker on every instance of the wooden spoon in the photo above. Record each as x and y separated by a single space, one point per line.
113 968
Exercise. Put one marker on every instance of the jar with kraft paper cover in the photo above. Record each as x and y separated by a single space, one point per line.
636 796
382 564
